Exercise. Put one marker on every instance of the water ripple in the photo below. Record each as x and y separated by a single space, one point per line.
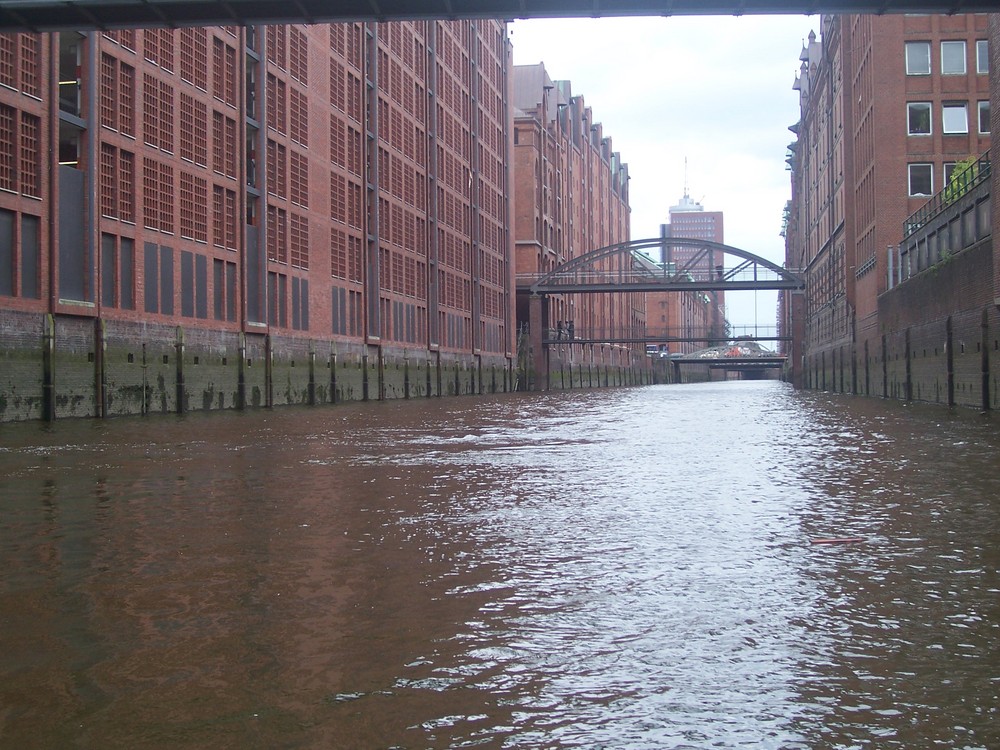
623 569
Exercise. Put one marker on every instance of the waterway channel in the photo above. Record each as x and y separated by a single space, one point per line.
628 568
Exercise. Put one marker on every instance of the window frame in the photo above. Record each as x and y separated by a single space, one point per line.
947 107
909 59
910 107
909 179
965 57
983 104
983 57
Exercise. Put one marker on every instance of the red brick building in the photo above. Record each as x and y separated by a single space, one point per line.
689 315
889 105
330 193
571 197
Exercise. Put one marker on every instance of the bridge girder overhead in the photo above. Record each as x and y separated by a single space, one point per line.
622 268
81 15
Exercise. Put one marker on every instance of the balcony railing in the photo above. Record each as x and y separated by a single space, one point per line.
960 183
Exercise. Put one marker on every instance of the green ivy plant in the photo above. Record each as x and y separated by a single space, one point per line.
962 177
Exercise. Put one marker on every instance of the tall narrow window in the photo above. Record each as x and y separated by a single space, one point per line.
8 255
30 76
982 57
31 169
126 94
219 287
8 148
166 117
108 90
984 117
8 60
126 185
126 274
109 182
109 269
30 256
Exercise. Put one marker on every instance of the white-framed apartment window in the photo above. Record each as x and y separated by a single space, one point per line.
982 57
918 118
984 117
953 58
921 178
949 170
955 118
918 58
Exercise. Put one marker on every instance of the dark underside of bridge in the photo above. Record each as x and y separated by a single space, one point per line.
53 15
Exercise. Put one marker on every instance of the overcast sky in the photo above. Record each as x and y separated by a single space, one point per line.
716 90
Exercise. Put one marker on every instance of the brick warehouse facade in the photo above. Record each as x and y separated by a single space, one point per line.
890 106
571 197
235 216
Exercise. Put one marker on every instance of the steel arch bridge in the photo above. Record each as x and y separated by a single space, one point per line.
685 265
701 266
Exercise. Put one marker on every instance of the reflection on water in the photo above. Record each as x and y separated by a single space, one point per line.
611 569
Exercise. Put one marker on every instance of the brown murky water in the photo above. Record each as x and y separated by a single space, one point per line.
611 569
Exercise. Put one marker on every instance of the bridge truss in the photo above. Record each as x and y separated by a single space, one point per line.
701 265
662 264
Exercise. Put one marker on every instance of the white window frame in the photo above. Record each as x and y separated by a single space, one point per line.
918 64
909 176
982 57
948 168
910 106
950 126
954 44
983 106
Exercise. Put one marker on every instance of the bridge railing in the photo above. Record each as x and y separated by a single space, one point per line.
568 332
693 278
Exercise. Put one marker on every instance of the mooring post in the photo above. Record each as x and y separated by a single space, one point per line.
539 359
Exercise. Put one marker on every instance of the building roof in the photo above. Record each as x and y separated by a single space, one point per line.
686 205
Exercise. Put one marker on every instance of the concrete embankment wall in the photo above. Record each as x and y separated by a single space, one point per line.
574 366
54 367
572 375
936 339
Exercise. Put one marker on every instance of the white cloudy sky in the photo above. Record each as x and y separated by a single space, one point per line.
716 90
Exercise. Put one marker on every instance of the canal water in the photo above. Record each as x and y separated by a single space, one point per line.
627 569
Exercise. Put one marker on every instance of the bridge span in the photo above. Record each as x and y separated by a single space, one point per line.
748 358
81 15
684 265
701 265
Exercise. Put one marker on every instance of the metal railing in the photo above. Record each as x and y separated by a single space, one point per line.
656 335
961 182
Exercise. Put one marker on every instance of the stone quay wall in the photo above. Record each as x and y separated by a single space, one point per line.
54 367
936 339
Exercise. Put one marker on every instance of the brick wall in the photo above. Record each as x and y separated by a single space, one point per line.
943 324
937 340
